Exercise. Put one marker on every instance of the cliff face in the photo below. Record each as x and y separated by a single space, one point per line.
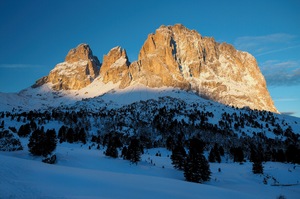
173 56
78 70
115 65
178 57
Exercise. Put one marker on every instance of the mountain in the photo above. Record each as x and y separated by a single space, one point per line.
175 96
78 70
175 57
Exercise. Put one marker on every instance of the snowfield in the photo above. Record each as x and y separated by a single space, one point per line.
81 172
84 173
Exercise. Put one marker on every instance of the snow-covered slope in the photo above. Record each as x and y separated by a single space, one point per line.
44 97
83 173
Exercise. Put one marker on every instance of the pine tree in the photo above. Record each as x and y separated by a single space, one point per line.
70 136
214 154
62 134
35 144
170 143
178 156
211 156
134 151
24 130
112 150
50 141
196 168
238 154
41 143
124 152
82 136
256 157
257 167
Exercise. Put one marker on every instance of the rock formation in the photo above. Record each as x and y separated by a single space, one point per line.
78 70
176 57
115 65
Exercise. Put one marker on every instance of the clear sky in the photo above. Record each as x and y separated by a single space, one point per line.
35 35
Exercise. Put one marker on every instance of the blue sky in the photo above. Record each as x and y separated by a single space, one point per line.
36 35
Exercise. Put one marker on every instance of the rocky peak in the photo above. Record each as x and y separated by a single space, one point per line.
81 52
115 65
79 69
173 56
178 57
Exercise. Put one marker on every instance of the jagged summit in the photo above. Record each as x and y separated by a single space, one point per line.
81 52
115 64
173 56
78 70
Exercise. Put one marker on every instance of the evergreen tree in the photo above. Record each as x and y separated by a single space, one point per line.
111 150
112 145
62 134
134 151
238 154
35 144
24 130
256 157
33 125
211 156
50 141
221 151
178 156
196 168
279 156
41 143
82 136
70 136
292 154
257 167
124 152
214 154
170 143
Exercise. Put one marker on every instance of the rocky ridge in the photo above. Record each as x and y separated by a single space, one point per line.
173 56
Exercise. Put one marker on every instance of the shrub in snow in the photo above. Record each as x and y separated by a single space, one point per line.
8 141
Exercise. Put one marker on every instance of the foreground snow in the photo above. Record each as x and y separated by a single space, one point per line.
83 173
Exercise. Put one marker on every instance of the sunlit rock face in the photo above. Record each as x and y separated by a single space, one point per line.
115 65
178 57
78 70
173 56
